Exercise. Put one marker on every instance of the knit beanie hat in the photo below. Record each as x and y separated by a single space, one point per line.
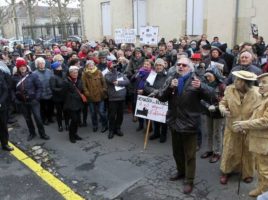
55 65
20 62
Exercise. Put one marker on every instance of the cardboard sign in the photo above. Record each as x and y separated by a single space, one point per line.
151 108
149 35
254 30
125 35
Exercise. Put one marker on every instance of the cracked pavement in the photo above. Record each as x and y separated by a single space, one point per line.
100 169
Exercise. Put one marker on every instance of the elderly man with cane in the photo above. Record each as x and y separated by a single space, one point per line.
183 91
257 128
239 101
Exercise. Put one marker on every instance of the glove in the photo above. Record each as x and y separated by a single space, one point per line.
154 93
239 126
212 108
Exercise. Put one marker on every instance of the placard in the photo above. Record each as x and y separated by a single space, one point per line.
125 35
149 35
151 108
254 30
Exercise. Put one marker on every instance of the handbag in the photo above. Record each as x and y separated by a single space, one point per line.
83 97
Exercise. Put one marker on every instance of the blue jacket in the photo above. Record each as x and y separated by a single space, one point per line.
44 77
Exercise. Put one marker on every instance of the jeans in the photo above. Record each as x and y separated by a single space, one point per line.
27 110
95 108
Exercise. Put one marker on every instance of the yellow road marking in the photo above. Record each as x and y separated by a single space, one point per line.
49 178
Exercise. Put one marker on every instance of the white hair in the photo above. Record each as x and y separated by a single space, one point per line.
39 60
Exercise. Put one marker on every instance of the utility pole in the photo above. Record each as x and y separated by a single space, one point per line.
30 16
15 19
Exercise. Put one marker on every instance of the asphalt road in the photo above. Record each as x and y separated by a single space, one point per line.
98 168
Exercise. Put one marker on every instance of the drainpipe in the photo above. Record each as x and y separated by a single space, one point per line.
236 22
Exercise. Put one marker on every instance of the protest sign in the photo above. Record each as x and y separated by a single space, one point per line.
149 35
151 108
125 36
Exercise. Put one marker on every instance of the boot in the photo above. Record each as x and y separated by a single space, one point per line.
154 136
31 136
44 137
77 137
140 127
163 138
60 129
67 127
254 193
110 135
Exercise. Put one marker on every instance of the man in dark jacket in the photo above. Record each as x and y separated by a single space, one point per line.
3 113
28 90
183 91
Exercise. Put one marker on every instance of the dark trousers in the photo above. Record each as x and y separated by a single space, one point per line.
27 110
84 114
74 116
46 109
116 112
61 114
3 128
160 128
184 153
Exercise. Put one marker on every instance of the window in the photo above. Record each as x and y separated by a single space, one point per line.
139 14
195 11
106 18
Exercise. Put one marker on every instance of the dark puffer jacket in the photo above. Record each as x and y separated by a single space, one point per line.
56 83
30 89
183 111
4 93
72 99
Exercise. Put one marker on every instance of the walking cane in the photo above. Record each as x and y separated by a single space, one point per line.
147 134
242 154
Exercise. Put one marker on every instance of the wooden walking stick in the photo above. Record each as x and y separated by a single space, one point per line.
241 168
147 134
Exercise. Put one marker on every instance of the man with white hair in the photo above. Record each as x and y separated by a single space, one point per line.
183 91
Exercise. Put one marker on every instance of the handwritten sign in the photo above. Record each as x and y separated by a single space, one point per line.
151 108
125 35
148 35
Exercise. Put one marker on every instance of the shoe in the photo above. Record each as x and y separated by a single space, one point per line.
77 137
30 137
206 154
67 127
95 129
45 122
154 136
215 157
188 188
45 137
104 129
7 148
119 132
248 179
72 140
163 138
60 129
254 193
110 135
224 179
84 124
177 177
139 128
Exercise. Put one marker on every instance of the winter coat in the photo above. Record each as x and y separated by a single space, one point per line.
30 89
258 128
114 95
44 77
160 79
133 66
72 99
56 83
4 93
94 86
232 143
183 111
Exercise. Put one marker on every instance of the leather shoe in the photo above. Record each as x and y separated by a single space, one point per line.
177 177
104 129
188 188
224 179
119 132
45 137
72 140
206 154
95 129
60 129
7 148
110 135
215 157
77 137
30 137
154 136
248 179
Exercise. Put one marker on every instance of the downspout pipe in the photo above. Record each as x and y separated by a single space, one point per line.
237 3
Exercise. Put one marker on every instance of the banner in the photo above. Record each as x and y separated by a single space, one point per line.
125 36
151 108
149 35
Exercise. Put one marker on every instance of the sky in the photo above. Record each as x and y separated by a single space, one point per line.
3 3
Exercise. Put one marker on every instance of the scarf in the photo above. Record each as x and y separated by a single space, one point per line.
142 76
92 71
4 68
181 82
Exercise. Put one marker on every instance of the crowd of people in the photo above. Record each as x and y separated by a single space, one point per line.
210 89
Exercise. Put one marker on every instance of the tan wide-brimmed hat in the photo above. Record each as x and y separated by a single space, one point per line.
245 75
262 75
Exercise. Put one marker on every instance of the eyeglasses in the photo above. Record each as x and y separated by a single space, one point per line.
182 64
